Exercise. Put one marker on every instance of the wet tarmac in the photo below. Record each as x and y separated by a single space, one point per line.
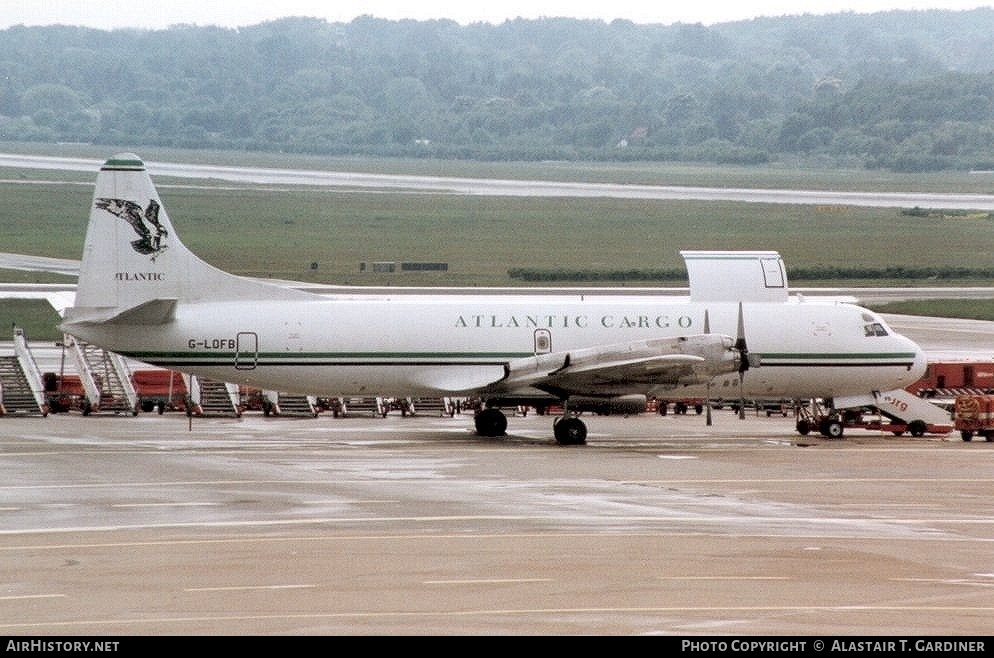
169 525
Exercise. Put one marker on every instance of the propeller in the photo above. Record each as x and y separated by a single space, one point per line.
740 345
707 399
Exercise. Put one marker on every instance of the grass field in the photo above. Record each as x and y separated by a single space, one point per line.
322 235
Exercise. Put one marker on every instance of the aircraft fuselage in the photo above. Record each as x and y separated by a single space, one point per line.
400 345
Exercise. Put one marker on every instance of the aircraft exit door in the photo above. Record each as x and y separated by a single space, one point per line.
543 341
246 350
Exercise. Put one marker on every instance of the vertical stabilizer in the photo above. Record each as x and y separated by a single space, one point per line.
134 265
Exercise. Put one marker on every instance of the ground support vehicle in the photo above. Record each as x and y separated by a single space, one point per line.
904 413
160 390
944 381
974 415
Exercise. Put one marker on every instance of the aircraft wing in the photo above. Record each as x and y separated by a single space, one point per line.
626 368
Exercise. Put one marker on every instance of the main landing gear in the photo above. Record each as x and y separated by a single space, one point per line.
490 421
568 430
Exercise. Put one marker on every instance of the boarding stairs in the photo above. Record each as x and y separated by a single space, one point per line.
432 407
22 390
356 406
901 406
286 404
105 376
210 397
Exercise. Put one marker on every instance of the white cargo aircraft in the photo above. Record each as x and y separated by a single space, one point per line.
739 334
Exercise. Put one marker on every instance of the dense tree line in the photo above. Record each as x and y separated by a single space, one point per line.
904 90
817 273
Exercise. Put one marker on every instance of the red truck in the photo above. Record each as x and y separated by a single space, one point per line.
159 390
944 380
974 415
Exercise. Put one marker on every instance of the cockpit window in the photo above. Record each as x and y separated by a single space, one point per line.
873 326
874 329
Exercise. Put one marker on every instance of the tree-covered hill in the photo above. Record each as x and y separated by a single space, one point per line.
903 90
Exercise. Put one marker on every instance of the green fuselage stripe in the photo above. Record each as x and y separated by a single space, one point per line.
179 359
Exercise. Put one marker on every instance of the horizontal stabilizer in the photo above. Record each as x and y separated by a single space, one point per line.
152 312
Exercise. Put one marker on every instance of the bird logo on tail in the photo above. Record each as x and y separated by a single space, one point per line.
145 222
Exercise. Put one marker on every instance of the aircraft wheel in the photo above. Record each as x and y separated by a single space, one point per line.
490 422
570 432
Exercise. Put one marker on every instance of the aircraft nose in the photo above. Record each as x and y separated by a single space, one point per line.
921 360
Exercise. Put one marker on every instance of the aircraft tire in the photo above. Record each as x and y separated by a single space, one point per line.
570 432
917 428
491 422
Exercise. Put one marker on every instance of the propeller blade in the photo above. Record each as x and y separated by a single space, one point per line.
707 402
742 400
740 345
707 405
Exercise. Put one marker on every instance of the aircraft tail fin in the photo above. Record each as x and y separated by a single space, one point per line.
134 266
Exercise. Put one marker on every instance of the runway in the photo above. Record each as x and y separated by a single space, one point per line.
165 525
512 188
